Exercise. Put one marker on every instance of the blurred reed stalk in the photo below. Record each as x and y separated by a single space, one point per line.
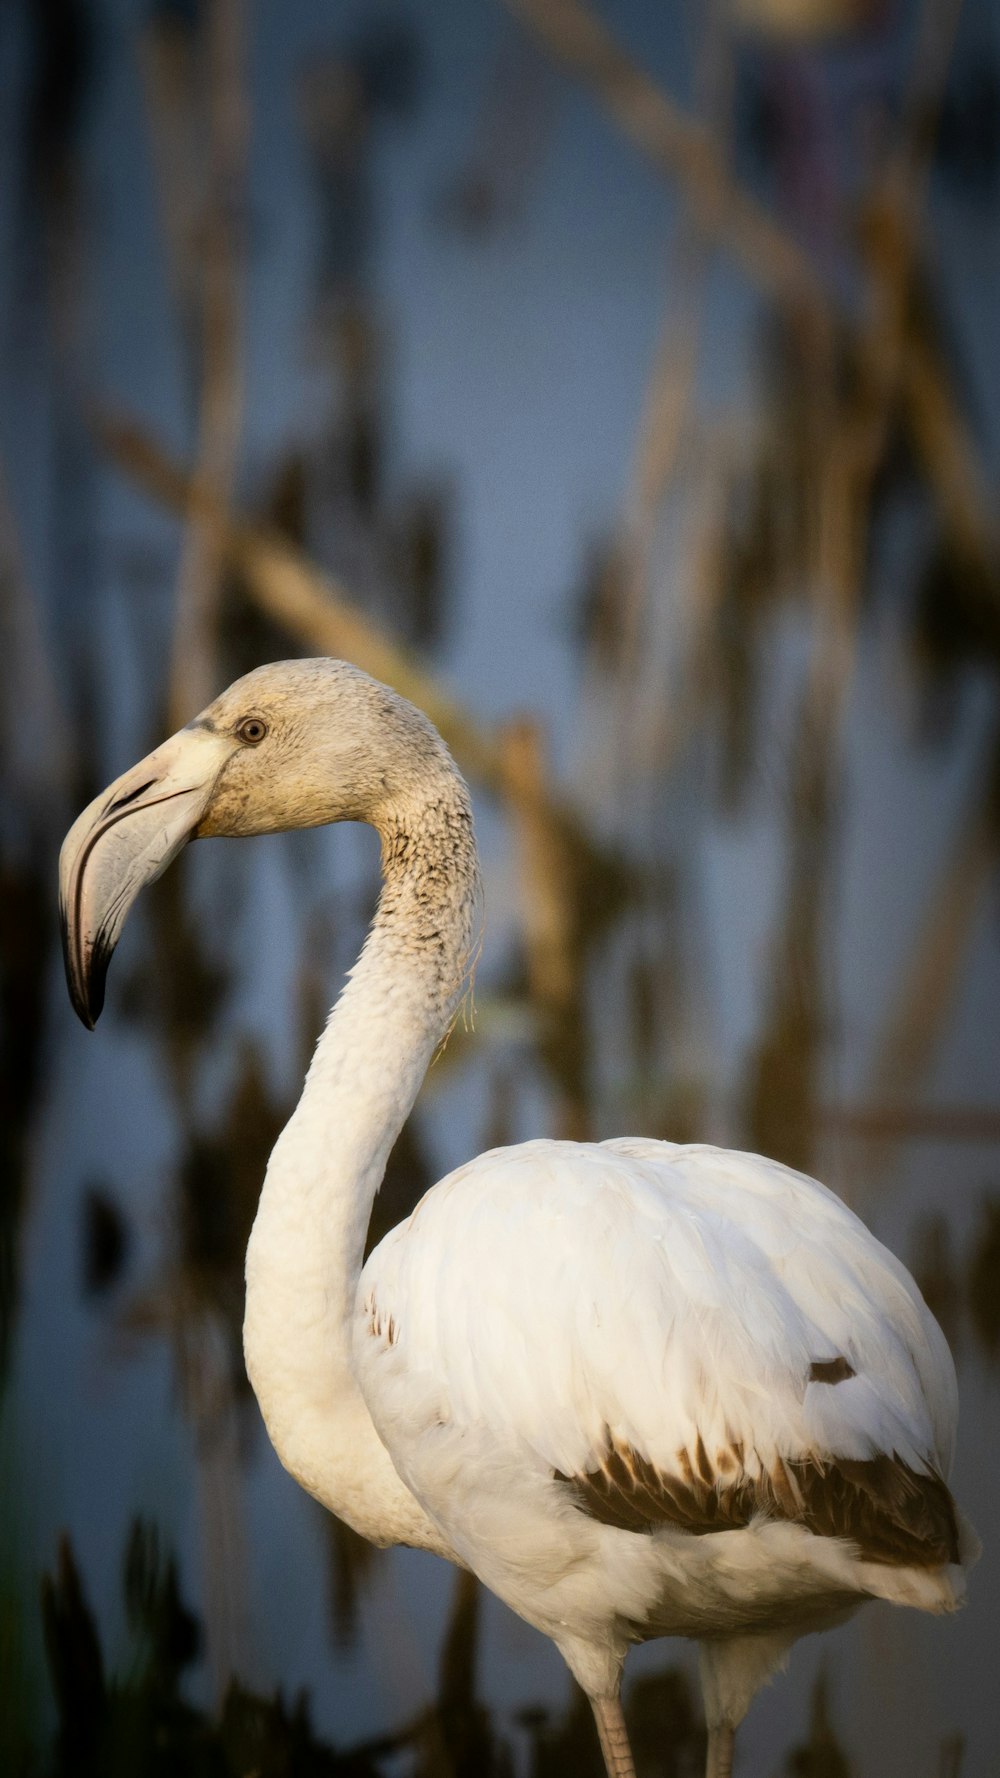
197 89
666 418
860 376
642 724
684 151
34 757
511 134
848 420
890 228
34 742
852 430
198 111
678 146
928 982
548 911
168 51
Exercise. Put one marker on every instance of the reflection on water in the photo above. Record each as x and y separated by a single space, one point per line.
713 628
140 1720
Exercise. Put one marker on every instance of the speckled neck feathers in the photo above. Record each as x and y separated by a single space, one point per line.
429 910
306 1249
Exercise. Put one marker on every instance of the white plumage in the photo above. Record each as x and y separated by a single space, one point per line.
639 1389
556 1290
547 1296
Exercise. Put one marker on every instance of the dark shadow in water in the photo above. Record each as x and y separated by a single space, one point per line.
25 946
119 1725
820 1755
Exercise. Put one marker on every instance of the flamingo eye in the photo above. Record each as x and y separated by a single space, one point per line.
252 730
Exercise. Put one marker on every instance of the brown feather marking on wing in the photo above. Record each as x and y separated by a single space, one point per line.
893 1513
786 1494
831 1370
702 1464
726 1462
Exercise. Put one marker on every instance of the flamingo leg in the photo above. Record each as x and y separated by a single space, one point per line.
720 1752
614 1737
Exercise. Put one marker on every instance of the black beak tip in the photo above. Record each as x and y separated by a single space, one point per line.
97 975
87 1013
85 983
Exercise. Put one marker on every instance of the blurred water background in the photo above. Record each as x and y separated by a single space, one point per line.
624 386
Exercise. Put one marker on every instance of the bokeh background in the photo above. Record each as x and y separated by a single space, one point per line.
624 386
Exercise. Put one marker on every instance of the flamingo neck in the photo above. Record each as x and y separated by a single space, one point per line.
306 1247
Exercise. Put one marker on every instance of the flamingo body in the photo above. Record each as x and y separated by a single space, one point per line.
638 1389
551 1302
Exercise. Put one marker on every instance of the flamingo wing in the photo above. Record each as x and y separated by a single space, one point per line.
674 1336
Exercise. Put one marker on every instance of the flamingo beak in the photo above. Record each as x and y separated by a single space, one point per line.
123 840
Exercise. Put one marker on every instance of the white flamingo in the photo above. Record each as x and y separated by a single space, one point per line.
639 1389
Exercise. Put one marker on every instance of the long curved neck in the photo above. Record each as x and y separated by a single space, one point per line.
307 1243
